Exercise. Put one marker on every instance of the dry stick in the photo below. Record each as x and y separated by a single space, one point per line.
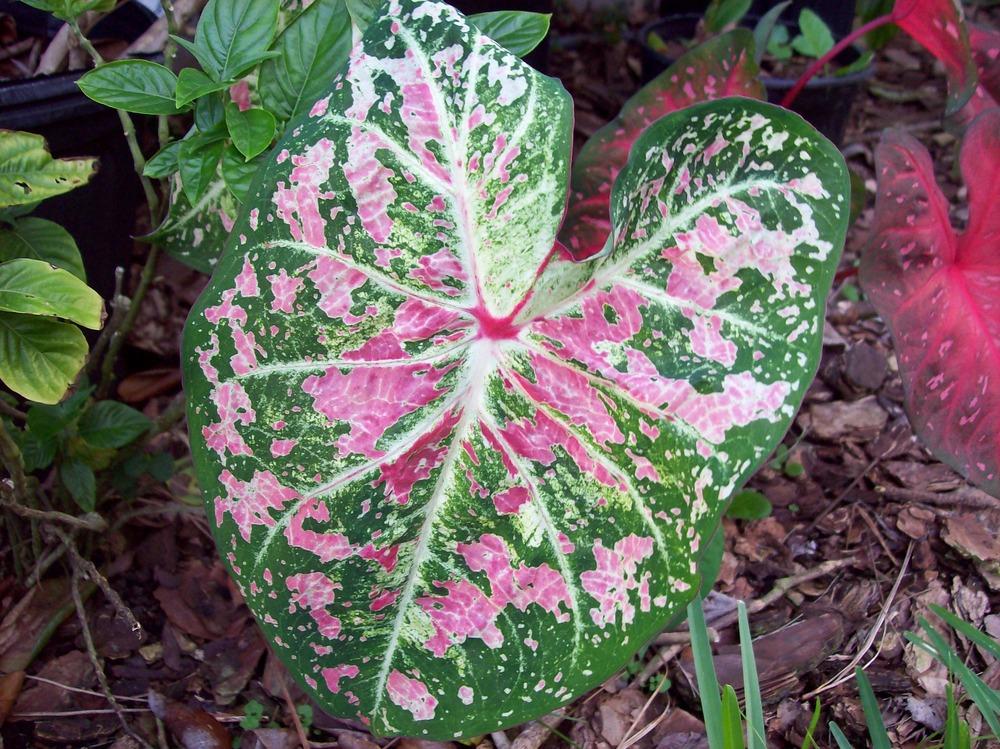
89 522
846 672
8 410
303 739
662 658
538 731
13 50
627 740
500 740
95 661
78 690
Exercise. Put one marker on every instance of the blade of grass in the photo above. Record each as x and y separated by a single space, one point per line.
977 636
808 742
732 721
873 717
839 737
704 670
756 735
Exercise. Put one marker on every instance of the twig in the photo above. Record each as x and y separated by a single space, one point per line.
119 306
662 658
500 740
8 410
102 677
846 672
10 457
877 533
13 50
78 690
303 738
537 732
966 497
683 637
89 522
627 739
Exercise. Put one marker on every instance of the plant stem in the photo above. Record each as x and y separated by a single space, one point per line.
169 53
128 128
10 455
835 50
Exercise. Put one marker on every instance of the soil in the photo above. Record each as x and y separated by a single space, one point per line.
854 486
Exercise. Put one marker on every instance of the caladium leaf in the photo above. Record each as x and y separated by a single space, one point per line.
459 478
939 26
723 66
195 233
937 290
985 44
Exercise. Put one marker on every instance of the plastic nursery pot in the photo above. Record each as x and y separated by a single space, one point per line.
825 102
539 58
838 14
101 214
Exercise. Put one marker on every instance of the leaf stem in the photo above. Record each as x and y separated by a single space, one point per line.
835 50
128 128
169 53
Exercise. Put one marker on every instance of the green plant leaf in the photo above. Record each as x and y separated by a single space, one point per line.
723 13
252 130
765 27
314 44
33 287
41 239
210 118
980 638
39 356
778 46
389 346
873 717
199 163
46 422
164 162
362 11
78 479
237 172
517 30
756 733
110 424
68 10
815 39
839 737
863 61
36 452
732 721
749 505
203 57
139 86
704 669
28 173
809 740
711 561
233 35
193 84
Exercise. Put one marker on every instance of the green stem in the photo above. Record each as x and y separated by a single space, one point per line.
169 53
128 128
10 454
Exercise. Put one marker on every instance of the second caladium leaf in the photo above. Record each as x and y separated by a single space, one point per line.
938 289
460 479
723 66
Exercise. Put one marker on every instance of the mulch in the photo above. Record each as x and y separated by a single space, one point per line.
852 484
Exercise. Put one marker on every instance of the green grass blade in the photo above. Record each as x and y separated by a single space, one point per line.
809 742
963 627
839 737
873 717
756 734
704 670
732 721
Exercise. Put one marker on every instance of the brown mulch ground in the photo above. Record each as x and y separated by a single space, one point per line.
854 485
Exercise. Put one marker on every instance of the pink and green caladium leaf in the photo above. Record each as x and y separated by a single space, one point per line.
722 66
985 44
939 26
459 478
938 289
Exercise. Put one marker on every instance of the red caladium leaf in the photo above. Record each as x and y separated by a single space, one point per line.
985 45
939 25
938 290
723 66
460 479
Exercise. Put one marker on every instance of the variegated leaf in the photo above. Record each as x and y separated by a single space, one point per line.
195 234
459 478
722 66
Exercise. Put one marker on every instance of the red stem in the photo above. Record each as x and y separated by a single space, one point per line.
837 48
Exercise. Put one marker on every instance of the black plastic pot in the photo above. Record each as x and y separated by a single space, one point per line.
539 58
825 102
100 215
838 14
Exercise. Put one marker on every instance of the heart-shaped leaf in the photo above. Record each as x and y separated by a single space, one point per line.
39 356
252 130
517 30
723 66
233 35
459 478
937 289
42 240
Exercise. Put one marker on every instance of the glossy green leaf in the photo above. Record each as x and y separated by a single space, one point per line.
704 669
314 44
110 424
732 720
78 479
362 11
164 162
749 505
41 239
210 117
517 30
238 173
68 10
723 13
839 737
252 130
28 173
433 448
193 84
34 287
756 733
139 86
46 422
36 452
199 163
233 35
39 356
764 28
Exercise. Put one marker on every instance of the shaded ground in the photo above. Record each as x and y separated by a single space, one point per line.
859 507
